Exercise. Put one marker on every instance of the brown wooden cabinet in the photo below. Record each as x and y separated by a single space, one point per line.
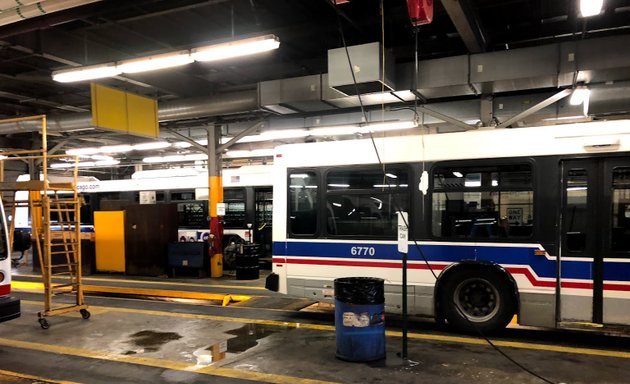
148 230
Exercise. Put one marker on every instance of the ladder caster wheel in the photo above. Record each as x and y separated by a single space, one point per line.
43 323
85 313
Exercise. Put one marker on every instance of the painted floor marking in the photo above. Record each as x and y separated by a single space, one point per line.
31 377
161 363
224 298
154 282
417 336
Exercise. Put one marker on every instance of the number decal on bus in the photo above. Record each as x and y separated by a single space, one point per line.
362 251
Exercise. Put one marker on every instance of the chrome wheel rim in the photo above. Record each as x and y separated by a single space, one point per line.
477 299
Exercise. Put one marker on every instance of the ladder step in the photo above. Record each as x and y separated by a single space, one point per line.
69 253
65 273
64 285
62 265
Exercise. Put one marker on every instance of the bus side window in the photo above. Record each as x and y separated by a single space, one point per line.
302 200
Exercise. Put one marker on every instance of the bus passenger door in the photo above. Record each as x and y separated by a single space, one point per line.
595 241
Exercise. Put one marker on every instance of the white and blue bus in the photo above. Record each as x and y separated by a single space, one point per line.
533 222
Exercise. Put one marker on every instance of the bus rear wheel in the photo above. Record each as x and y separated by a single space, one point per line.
477 300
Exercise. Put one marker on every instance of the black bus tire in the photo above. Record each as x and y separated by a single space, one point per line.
477 299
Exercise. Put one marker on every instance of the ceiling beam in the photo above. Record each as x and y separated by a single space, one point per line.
187 139
31 100
467 24
239 136
529 111
448 119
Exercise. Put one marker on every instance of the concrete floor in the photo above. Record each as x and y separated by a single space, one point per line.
265 340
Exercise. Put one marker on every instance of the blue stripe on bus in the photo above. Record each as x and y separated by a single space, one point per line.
512 255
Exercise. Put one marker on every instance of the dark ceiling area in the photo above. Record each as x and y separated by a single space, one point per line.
114 30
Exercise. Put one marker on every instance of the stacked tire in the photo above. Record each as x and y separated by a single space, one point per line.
247 261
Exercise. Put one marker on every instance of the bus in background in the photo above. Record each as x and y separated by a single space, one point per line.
528 221
247 195
9 306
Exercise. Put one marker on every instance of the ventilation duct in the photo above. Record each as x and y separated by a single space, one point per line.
373 70
222 104
298 94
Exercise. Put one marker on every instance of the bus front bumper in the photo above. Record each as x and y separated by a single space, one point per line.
9 308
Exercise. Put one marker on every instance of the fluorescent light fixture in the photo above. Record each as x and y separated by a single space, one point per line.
82 151
339 185
458 174
263 152
361 128
590 7
101 157
115 148
152 63
86 73
85 164
151 145
580 95
391 176
576 117
334 131
235 48
165 173
298 176
388 126
175 158
213 52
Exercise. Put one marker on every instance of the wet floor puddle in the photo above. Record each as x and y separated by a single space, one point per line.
245 337
150 341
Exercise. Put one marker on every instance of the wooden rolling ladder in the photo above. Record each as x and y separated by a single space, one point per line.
55 210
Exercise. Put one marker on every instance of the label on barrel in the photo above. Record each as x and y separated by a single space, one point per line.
359 320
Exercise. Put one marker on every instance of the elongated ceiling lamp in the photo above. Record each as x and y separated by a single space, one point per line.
152 63
215 52
590 8
236 48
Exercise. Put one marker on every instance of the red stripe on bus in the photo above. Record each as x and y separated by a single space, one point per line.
5 289
352 263
616 287
513 270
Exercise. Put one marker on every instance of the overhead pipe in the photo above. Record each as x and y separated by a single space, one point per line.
6 5
34 9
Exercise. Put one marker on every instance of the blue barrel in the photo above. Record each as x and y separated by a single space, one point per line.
360 318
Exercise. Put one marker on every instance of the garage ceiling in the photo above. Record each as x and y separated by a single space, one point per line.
114 30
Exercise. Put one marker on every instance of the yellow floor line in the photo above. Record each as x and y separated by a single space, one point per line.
417 336
148 282
223 298
161 363
31 377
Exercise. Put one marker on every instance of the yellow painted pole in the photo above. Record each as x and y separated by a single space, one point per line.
215 187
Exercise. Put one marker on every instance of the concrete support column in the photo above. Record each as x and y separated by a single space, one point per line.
215 188
486 112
